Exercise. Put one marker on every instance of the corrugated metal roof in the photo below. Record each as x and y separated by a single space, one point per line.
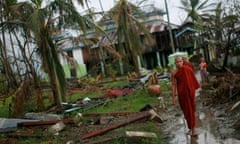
152 28
7 124
187 29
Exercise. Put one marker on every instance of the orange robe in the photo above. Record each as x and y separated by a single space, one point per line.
189 64
186 87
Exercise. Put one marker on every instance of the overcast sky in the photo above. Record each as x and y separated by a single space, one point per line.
176 15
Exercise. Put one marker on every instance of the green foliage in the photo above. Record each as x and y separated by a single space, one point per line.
119 84
158 69
127 66
111 71
165 85
4 110
42 140
3 83
123 14
237 51
83 94
5 106
131 102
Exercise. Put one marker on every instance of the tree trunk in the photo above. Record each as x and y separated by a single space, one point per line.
12 83
31 72
15 63
226 52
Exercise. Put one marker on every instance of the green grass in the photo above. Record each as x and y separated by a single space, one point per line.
83 94
120 83
4 107
133 103
4 112
130 103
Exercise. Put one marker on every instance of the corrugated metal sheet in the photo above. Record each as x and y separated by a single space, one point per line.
152 28
7 124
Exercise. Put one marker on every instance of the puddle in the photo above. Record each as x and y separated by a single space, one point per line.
210 129
212 126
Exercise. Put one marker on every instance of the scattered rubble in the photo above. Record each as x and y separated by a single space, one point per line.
222 89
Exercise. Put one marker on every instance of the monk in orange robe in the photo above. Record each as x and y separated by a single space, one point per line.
184 85
187 63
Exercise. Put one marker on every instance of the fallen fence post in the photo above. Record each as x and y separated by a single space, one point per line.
114 126
38 123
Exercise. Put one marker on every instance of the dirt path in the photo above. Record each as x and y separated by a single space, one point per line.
213 125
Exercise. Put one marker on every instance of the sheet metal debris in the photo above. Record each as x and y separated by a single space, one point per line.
42 116
38 123
7 125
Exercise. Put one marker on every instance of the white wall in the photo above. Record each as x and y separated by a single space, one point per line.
78 56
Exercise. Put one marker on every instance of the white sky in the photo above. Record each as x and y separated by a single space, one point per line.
176 15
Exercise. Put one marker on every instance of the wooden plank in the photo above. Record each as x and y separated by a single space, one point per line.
115 126
38 123
140 134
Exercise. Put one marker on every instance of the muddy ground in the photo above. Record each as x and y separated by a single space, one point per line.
218 116
218 119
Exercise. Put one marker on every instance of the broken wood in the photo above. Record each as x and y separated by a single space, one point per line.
155 116
89 105
24 133
20 135
235 105
110 113
20 96
38 123
4 140
140 134
230 71
114 126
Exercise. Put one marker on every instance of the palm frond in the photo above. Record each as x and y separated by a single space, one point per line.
125 16
185 3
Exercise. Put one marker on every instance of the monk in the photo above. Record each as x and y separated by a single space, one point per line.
187 63
184 85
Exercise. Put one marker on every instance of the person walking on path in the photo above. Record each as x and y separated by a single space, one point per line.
203 71
184 85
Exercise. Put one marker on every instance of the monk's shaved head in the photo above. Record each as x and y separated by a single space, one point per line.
178 62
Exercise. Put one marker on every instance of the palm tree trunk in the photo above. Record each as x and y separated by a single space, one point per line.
52 66
227 47
169 28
